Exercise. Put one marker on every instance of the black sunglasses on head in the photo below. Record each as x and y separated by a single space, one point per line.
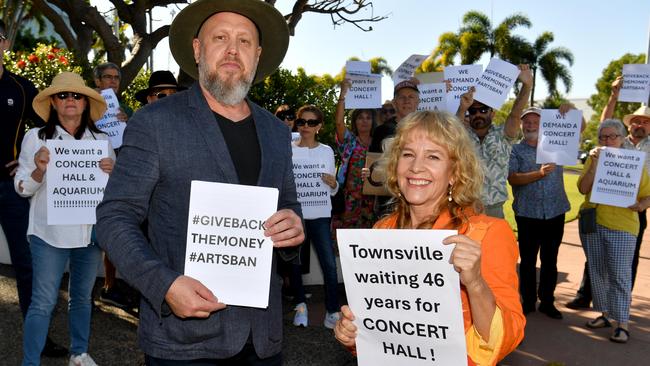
308 122
66 95
472 110
286 115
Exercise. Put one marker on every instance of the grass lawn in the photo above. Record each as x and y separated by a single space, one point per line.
570 185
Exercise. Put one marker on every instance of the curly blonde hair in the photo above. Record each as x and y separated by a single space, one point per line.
447 131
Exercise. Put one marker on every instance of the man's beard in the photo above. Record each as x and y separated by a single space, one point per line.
479 123
230 91
638 132
531 135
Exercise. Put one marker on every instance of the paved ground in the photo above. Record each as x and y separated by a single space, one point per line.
557 342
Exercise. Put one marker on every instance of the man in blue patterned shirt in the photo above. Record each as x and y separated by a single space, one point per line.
540 205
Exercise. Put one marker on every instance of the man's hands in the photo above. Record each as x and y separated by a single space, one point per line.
189 298
285 229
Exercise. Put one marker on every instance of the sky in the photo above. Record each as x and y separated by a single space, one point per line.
596 32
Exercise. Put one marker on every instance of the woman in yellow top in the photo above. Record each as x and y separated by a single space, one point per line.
435 175
610 249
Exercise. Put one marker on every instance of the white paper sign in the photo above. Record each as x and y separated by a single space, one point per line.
406 70
109 122
408 309
461 78
636 83
432 97
493 86
75 183
357 68
226 247
618 175
365 92
559 137
430 77
313 194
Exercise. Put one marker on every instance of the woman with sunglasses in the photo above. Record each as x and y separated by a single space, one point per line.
610 248
317 226
352 146
69 108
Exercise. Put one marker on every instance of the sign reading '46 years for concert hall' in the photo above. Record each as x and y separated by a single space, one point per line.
405 296
75 183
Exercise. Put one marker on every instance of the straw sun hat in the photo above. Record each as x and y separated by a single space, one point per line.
69 82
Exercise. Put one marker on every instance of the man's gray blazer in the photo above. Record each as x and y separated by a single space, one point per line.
167 145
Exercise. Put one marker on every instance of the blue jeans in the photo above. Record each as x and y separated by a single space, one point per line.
49 264
14 218
318 232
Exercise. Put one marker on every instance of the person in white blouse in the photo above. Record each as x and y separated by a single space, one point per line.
70 110
316 212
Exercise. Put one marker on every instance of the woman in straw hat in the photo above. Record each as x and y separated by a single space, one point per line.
70 109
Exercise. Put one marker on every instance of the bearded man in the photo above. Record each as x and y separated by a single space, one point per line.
210 132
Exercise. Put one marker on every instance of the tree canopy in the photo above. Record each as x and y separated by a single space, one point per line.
82 26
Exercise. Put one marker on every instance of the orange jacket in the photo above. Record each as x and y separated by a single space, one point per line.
499 255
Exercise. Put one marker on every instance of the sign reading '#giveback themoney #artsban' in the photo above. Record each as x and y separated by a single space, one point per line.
405 296
226 248
75 183
617 177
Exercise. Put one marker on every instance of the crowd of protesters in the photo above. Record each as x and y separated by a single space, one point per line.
135 231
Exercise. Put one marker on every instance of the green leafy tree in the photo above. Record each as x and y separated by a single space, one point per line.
296 90
478 36
549 63
554 101
139 83
42 64
598 101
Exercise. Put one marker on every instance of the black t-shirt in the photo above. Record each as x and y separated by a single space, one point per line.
16 95
386 130
244 148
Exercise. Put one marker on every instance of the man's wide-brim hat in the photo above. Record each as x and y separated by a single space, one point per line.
641 112
69 82
272 28
161 79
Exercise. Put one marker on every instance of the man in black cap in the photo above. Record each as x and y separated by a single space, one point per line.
213 133
162 83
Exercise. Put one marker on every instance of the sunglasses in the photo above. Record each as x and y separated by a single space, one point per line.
473 110
161 94
3 37
66 95
286 115
308 122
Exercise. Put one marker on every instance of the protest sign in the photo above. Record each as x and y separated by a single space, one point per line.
406 70
374 184
493 86
357 68
109 122
432 97
461 78
636 83
365 92
559 137
226 248
430 77
313 194
405 296
618 175
75 183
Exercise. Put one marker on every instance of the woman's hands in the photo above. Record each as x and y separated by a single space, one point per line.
466 259
345 331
